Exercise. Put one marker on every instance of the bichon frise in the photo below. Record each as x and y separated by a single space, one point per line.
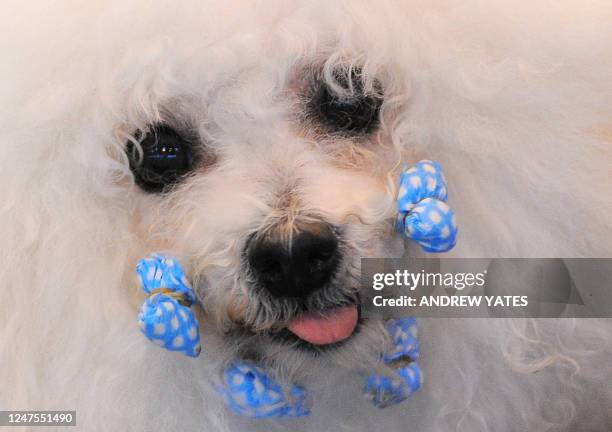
260 142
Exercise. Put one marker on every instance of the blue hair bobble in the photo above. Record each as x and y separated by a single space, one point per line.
406 377
165 317
249 391
424 216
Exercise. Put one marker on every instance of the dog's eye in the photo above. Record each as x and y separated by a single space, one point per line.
351 111
165 158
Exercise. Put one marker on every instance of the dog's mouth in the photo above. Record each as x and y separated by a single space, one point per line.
327 327
322 329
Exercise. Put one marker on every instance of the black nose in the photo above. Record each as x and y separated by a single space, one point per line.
297 267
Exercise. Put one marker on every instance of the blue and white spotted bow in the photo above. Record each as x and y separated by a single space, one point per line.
165 317
249 391
424 215
406 377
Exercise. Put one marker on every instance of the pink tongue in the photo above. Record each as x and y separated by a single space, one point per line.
334 326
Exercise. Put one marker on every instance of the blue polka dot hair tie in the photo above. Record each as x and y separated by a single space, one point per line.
249 391
404 377
424 216
165 317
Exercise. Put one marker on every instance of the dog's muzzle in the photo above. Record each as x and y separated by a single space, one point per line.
299 267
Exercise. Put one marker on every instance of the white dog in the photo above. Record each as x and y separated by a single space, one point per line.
289 121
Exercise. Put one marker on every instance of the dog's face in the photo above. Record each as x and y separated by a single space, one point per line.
270 180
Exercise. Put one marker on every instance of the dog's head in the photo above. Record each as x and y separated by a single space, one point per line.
274 221
267 162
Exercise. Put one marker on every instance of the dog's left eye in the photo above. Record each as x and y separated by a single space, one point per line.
165 159
355 112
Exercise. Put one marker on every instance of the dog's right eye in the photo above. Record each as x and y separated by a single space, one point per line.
165 159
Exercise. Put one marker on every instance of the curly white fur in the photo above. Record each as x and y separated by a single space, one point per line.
512 99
